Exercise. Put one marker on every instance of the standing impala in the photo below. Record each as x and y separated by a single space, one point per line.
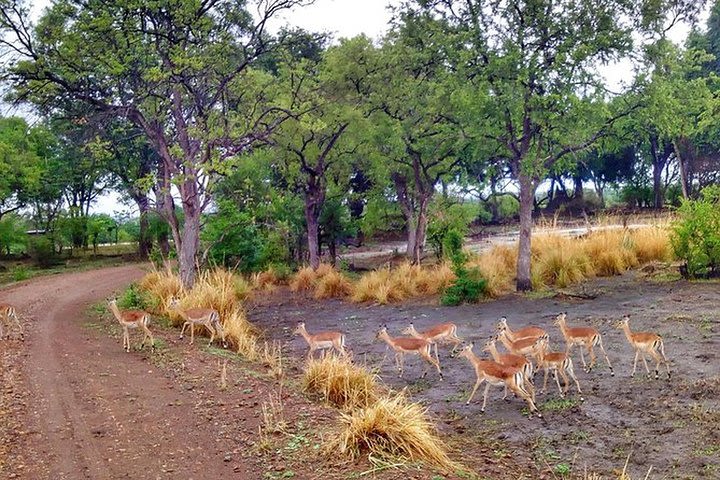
413 346
523 346
322 341
499 375
207 317
7 312
645 342
587 337
515 361
557 362
514 335
444 333
132 319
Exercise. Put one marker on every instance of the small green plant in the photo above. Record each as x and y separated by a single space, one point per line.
562 469
133 298
20 273
559 404
696 235
468 287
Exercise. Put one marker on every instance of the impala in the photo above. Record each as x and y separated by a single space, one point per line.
515 361
7 312
523 346
645 342
132 319
322 341
444 333
587 337
525 332
207 317
499 375
557 362
412 346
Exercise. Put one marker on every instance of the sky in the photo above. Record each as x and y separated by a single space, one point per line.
348 18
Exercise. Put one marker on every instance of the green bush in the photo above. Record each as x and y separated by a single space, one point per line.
448 225
133 298
469 287
12 234
696 234
19 273
42 251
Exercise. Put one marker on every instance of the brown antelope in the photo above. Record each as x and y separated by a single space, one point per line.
207 317
499 375
523 346
322 341
7 313
525 332
515 361
645 342
557 362
132 319
444 333
412 346
587 337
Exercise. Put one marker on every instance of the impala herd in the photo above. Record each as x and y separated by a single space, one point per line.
528 348
513 370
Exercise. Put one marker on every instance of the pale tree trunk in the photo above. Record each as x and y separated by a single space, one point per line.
190 244
659 160
683 171
144 240
527 194
415 214
314 200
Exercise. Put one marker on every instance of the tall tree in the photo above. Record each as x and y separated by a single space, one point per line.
182 71
20 163
531 79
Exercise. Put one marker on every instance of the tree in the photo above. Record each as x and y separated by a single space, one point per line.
530 80
182 71
19 163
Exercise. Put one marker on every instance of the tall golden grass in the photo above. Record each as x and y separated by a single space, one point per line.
406 281
340 382
498 266
306 278
394 428
333 285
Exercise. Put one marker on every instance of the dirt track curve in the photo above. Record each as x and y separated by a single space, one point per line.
75 405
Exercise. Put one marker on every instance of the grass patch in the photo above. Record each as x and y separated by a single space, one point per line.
333 285
393 428
339 382
559 404
406 281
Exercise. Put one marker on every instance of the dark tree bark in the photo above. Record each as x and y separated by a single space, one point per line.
527 195
660 155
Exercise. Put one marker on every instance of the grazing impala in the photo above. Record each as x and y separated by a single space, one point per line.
499 375
412 346
645 342
207 317
514 335
7 312
515 361
132 319
557 362
444 333
587 337
322 341
523 346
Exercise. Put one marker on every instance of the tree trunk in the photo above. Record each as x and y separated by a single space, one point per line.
683 172
189 247
332 249
421 235
578 193
411 237
144 240
313 228
527 194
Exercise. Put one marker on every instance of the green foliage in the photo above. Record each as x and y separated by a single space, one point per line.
100 228
72 230
696 235
637 196
133 298
448 226
19 273
469 287
12 234
41 249
233 237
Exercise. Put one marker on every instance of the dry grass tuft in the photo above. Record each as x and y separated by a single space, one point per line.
393 428
333 285
162 285
406 281
652 244
340 382
559 261
304 279
498 267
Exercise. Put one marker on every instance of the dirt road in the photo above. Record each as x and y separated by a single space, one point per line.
74 405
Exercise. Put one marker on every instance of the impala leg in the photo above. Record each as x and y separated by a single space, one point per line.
637 354
19 326
658 361
126 339
472 394
182 331
612 372
487 388
647 370
667 364
436 352
209 326
557 381
148 334
544 389
192 333
434 362
1 328
505 389
571 371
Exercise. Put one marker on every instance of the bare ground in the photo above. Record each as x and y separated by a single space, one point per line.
670 426
73 405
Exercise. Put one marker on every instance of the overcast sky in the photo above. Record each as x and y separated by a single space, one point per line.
348 18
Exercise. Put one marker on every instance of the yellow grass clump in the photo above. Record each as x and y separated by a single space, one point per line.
652 244
406 281
333 285
497 266
393 428
306 278
609 252
340 382
162 286
559 261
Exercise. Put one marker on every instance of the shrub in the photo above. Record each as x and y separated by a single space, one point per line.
340 382
333 285
133 298
469 287
12 234
19 273
448 225
498 267
42 251
392 428
304 279
696 235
